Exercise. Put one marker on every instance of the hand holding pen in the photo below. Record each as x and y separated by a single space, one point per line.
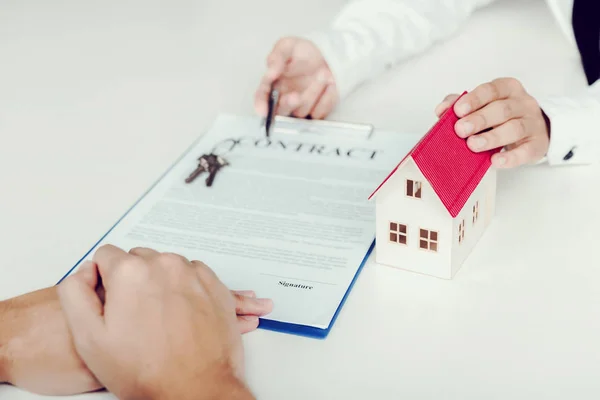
304 83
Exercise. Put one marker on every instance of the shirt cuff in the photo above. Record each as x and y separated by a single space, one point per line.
574 124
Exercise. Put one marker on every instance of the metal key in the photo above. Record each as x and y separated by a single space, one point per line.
210 163
203 166
215 165
211 176
197 172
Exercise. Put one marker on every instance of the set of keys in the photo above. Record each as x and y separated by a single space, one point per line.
210 163
213 163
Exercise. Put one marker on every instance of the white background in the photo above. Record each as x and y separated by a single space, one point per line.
97 98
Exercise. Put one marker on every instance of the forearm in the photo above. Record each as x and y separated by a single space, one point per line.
369 36
4 338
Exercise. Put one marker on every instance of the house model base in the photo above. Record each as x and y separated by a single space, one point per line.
433 208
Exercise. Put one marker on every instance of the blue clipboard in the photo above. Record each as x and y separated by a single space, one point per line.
284 125
311 331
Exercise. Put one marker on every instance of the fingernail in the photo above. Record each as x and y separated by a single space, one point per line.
272 73
465 128
463 109
251 318
500 161
438 108
477 142
266 302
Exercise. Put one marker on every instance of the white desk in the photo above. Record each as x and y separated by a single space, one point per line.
97 98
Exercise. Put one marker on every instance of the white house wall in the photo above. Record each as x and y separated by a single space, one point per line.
485 193
490 210
428 212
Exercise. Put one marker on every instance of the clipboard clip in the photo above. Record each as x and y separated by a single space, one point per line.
301 126
289 125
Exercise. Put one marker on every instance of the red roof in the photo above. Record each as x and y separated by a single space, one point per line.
450 167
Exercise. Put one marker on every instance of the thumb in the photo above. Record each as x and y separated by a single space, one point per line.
82 308
279 57
445 104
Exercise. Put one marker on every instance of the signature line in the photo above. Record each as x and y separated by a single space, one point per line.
303 280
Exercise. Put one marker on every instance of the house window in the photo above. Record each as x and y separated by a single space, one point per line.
413 189
461 231
397 233
475 212
428 240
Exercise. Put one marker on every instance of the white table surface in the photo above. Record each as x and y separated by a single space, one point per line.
97 98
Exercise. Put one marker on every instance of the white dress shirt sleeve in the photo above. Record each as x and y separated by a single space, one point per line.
369 36
574 127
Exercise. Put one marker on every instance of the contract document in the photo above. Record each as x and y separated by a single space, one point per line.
287 217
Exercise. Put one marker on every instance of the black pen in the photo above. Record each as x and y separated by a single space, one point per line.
273 100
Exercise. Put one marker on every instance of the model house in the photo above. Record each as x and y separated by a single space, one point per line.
434 206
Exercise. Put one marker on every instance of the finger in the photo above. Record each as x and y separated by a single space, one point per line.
83 313
494 114
505 134
247 293
214 288
144 252
292 66
206 275
288 103
485 94
277 61
251 306
107 258
100 291
524 153
309 98
445 104
247 323
326 103
279 57
261 97
169 259
89 273
451 98
82 308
